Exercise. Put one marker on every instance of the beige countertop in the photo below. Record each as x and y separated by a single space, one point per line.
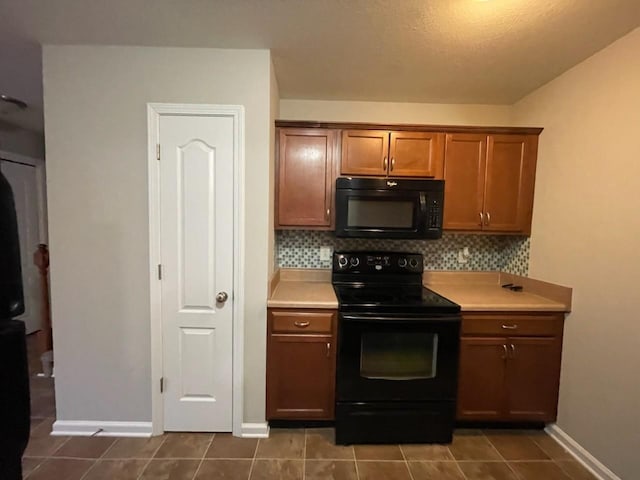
482 291
302 288
473 291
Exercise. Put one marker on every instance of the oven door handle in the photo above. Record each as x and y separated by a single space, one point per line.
396 320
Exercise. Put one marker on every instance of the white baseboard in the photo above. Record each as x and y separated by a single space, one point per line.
255 430
591 463
101 429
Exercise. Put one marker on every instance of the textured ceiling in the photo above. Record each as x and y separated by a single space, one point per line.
440 51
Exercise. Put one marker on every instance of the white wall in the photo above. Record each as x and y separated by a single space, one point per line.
586 225
388 112
96 134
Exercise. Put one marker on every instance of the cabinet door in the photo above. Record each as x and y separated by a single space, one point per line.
365 152
510 173
464 168
416 154
300 377
533 376
305 178
481 379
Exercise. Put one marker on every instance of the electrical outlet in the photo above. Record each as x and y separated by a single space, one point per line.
325 253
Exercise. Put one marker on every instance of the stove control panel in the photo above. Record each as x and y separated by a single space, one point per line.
377 262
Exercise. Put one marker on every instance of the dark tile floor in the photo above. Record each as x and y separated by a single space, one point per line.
296 455
286 455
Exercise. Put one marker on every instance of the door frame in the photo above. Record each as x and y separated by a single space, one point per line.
236 112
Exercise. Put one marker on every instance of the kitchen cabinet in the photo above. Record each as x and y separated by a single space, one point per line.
305 178
489 182
392 153
301 364
509 366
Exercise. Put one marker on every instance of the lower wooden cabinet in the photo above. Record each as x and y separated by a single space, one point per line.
509 367
301 364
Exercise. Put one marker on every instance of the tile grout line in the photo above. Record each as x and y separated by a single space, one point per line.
253 460
152 457
304 456
204 454
406 463
96 460
355 461
516 475
115 440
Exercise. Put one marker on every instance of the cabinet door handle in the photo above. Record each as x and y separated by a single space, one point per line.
301 324
328 213
506 353
510 327
385 163
481 218
393 163
513 350
328 349
488 218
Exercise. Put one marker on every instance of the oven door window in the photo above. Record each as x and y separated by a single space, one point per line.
374 212
398 356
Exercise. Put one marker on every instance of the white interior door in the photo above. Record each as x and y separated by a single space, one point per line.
196 198
24 183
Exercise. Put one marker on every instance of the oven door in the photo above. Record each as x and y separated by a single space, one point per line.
383 214
391 358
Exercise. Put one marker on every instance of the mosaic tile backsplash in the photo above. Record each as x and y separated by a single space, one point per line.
301 249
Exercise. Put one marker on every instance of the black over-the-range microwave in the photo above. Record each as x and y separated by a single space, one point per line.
389 208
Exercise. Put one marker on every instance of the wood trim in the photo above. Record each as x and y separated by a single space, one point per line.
410 127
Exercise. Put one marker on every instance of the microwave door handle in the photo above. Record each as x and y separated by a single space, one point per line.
423 208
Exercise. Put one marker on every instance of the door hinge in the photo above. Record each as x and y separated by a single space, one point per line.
158 151
159 272
161 384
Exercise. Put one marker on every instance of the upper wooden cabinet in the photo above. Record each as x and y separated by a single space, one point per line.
488 171
392 153
489 182
305 178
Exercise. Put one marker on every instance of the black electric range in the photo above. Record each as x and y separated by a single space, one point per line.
398 345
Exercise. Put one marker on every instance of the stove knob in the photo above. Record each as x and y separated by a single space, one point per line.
413 263
355 261
342 262
402 262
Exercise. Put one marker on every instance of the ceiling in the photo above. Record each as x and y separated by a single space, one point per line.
437 51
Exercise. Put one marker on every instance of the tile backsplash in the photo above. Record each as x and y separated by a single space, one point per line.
301 249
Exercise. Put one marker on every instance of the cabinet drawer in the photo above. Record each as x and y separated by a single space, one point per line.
512 325
301 322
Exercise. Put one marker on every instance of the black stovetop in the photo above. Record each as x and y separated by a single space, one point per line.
393 299
385 282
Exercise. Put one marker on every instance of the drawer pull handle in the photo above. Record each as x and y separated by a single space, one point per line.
301 324
509 327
